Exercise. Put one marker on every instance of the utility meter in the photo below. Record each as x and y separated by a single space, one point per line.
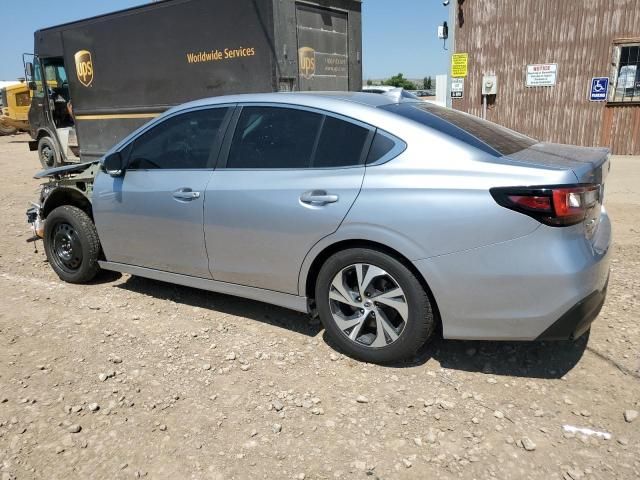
489 85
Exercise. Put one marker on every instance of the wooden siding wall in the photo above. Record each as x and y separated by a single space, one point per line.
504 36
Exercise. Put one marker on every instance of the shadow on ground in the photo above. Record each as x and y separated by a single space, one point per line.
550 360
225 304
104 277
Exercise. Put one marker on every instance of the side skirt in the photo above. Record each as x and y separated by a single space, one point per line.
293 302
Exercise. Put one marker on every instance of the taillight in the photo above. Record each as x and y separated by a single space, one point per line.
558 206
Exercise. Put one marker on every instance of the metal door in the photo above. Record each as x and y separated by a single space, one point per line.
260 225
152 216
153 219
261 222
323 46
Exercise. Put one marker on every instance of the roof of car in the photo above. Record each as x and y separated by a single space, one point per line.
365 98
301 98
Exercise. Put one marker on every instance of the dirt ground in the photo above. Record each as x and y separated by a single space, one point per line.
129 378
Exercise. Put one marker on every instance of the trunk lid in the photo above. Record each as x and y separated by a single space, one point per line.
589 165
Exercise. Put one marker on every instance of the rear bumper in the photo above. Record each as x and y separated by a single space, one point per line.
548 284
577 321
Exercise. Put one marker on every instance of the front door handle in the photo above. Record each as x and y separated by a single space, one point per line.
185 194
318 197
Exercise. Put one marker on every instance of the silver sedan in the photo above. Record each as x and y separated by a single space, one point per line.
388 217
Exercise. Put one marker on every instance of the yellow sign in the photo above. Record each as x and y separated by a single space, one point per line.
459 62
84 67
307 62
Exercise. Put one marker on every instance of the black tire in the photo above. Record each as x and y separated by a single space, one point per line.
48 153
420 323
71 244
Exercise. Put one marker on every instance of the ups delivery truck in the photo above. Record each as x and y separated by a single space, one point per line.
96 80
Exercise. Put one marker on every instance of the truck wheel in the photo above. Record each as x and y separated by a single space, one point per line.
7 129
71 244
48 153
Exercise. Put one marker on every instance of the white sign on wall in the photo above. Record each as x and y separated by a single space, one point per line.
542 75
457 88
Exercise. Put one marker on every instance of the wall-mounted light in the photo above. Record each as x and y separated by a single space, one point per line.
443 31
443 34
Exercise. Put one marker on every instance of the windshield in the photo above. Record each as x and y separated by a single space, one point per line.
486 136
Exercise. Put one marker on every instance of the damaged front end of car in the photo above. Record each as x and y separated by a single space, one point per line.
67 185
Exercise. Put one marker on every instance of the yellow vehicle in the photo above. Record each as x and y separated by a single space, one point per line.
15 100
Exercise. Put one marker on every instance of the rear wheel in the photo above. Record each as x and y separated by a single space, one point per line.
71 244
48 153
372 306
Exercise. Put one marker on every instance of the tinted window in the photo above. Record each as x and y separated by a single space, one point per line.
182 142
474 131
340 144
269 137
37 77
382 144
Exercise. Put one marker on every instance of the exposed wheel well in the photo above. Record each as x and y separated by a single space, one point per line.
66 196
310 286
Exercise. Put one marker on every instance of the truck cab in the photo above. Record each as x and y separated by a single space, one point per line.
51 122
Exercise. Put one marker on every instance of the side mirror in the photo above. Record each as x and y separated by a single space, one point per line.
29 69
113 164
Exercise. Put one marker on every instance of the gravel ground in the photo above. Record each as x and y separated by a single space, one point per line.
130 378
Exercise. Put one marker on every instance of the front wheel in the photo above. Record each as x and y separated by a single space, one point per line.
71 244
48 153
372 306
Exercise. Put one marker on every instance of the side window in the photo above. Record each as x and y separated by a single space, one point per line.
185 141
381 146
340 144
37 78
271 137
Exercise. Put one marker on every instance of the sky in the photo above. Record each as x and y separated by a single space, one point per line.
395 39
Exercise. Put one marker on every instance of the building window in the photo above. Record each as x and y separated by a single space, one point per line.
626 73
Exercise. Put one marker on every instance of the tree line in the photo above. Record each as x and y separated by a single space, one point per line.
399 81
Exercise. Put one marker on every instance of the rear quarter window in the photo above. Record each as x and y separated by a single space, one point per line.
384 147
482 134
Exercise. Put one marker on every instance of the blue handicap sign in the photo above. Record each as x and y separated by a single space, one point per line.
599 89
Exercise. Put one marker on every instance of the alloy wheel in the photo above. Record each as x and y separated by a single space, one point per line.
368 305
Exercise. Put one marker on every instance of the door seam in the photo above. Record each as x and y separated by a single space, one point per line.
332 233
204 230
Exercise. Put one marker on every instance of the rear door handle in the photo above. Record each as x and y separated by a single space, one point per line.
318 197
185 194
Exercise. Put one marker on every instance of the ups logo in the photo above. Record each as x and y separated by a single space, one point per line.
307 62
84 67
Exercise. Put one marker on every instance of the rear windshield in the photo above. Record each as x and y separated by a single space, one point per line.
488 137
